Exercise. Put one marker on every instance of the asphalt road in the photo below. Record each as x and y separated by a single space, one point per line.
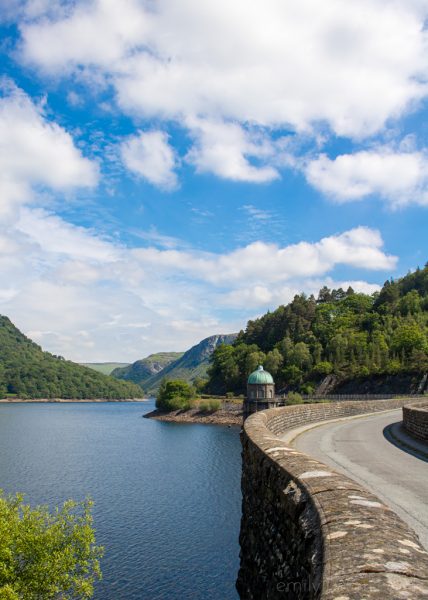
358 448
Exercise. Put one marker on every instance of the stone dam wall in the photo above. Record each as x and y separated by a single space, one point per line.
415 420
308 532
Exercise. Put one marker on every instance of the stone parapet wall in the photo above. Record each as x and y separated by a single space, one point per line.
415 420
308 532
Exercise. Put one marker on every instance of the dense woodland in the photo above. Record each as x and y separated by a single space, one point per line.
341 332
28 372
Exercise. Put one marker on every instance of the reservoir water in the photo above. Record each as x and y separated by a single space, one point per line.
167 496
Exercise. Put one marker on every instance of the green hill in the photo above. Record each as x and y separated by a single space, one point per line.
142 370
193 364
28 372
188 366
105 368
363 343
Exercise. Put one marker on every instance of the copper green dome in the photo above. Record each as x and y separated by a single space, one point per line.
260 376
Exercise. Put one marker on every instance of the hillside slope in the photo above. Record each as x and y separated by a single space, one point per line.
106 368
192 364
364 343
142 370
28 372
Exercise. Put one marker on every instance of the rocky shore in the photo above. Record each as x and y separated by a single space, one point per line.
194 415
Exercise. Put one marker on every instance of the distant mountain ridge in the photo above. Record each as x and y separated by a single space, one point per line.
187 366
26 371
142 370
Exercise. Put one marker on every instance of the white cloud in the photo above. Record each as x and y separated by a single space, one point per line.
257 214
130 302
94 33
150 156
224 149
64 238
400 178
260 296
261 263
35 152
158 239
225 70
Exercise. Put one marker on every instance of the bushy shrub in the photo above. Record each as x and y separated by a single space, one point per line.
323 368
363 371
230 394
179 403
210 406
46 554
393 367
175 395
200 383
307 388
294 398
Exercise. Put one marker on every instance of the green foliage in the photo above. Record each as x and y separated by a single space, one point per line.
28 372
343 333
273 361
200 384
294 398
47 555
323 368
408 337
307 389
175 395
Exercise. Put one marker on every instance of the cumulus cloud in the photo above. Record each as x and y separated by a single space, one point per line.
263 296
225 149
261 262
95 33
150 156
398 177
64 238
35 152
82 295
218 68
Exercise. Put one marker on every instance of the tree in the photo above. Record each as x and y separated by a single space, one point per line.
410 303
47 555
324 295
224 371
301 356
409 337
174 394
292 375
2 382
200 383
253 360
323 368
273 361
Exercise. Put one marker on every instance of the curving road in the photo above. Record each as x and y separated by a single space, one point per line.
357 447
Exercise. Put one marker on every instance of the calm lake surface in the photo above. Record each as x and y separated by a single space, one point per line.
167 496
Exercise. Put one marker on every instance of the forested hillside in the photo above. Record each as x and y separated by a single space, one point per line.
344 333
28 372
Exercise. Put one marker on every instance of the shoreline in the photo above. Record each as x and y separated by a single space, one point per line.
193 415
64 400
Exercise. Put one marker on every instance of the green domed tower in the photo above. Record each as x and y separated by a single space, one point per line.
260 391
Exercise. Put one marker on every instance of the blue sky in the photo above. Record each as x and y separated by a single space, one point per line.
170 169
